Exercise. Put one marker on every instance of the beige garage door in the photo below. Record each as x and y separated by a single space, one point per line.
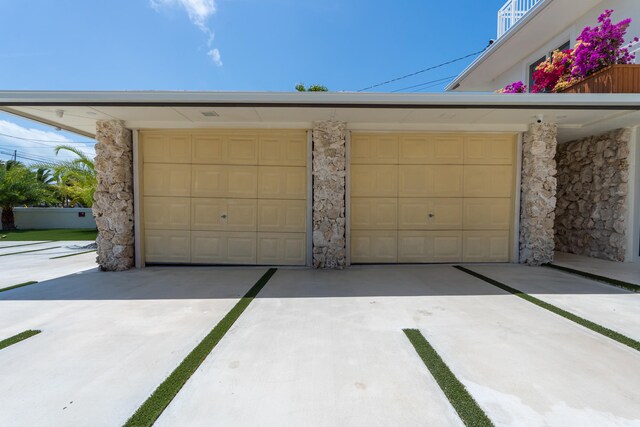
423 198
224 197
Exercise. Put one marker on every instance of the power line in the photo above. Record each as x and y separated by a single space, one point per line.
422 71
46 140
4 147
25 157
424 84
49 148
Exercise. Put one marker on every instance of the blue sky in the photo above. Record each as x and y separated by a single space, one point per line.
243 45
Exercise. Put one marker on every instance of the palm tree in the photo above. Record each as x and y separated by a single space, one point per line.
19 186
76 178
45 176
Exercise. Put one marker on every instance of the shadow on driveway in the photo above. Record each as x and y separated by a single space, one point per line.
189 282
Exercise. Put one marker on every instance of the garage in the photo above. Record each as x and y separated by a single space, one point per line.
430 198
224 196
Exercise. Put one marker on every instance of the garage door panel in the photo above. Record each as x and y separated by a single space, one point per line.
167 246
282 182
283 149
374 180
429 246
448 149
430 181
281 248
429 149
241 248
242 150
209 181
490 149
166 148
374 149
430 214
221 247
374 213
488 181
167 213
167 180
208 214
369 246
208 149
225 149
224 214
282 215
208 248
242 182
242 214
224 181
487 214
486 246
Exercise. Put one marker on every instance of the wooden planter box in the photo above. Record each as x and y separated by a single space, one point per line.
619 78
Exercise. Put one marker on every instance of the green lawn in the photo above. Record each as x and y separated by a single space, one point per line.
49 235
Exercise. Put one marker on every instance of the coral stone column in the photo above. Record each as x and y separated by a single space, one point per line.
329 180
113 200
538 194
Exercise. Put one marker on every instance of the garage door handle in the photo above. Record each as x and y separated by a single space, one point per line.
223 216
431 215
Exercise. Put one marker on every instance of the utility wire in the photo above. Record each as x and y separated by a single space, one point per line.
25 157
35 156
48 148
47 140
424 84
422 71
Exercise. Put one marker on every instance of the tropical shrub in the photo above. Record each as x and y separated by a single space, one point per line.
76 178
19 186
312 88
555 70
601 46
516 87
596 48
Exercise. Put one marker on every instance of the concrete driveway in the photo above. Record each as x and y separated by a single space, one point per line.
37 261
319 348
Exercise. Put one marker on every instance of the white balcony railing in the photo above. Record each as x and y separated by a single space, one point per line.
512 12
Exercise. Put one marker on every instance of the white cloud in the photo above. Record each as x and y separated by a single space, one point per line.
215 55
199 12
30 151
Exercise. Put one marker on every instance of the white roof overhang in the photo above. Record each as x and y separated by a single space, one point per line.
576 115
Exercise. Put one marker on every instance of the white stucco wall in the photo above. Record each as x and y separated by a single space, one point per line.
43 218
623 9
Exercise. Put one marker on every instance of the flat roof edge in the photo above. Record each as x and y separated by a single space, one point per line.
458 100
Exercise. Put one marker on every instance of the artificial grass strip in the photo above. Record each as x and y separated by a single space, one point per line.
27 244
622 339
17 338
77 253
49 234
608 280
466 407
18 286
33 250
151 409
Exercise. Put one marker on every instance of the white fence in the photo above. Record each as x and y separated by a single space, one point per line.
512 12
42 218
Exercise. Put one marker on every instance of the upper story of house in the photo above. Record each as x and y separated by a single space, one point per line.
530 30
